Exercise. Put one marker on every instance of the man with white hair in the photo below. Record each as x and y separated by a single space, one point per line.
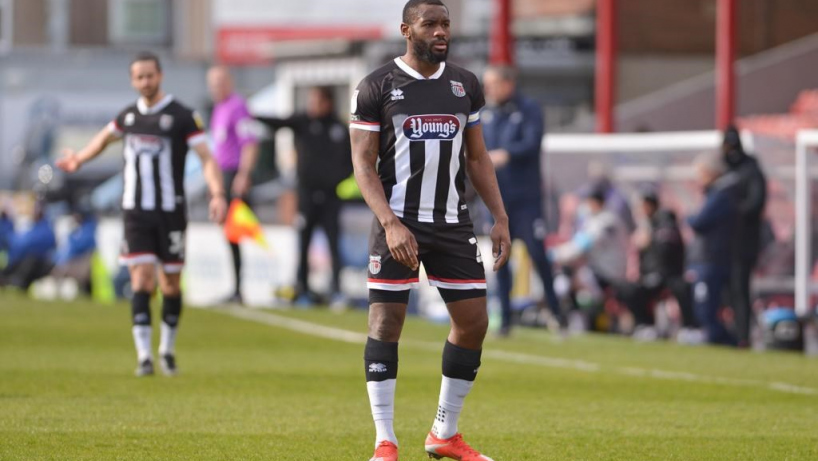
710 254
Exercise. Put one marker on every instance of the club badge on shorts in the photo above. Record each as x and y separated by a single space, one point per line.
374 264
457 89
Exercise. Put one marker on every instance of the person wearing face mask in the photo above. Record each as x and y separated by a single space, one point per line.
751 190
513 130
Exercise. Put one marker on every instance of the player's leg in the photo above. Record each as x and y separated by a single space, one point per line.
139 253
387 312
457 271
389 283
172 256
170 286
143 284
461 361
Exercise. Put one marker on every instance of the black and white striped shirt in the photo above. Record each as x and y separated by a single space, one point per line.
156 143
421 121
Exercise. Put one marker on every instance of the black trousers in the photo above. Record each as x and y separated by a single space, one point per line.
639 297
318 208
26 271
235 250
740 299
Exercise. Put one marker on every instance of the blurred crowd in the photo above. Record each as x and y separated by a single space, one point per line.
701 283
31 250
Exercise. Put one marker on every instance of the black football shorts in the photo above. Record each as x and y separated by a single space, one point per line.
154 237
448 252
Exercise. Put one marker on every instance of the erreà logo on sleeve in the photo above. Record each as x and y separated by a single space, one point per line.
428 127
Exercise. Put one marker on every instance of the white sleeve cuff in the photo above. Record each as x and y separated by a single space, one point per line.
366 126
114 129
196 138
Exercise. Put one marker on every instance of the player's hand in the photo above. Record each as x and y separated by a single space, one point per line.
402 244
69 162
241 185
218 209
500 243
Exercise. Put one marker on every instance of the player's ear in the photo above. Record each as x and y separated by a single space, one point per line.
404 30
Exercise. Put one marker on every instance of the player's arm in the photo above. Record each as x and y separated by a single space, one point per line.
481 173
213 177
401 242
72 160
292 122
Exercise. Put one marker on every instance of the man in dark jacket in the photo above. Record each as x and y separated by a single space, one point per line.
751 191
710 255
324 160
661 267
513 128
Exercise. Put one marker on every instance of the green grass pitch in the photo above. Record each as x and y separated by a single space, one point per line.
249 390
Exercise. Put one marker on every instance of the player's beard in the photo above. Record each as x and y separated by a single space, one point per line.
425 51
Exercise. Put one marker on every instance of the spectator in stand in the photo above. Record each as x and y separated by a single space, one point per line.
751 190
599 247
6 230
711 253
661 267
615 200
513 128
30 253
324 160
235 149
73 259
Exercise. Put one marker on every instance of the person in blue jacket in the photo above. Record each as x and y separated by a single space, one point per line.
73 258
30 253
710 254
513 127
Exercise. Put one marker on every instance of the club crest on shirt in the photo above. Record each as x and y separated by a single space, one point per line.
427 127
130 118
374 264
166 122
458 89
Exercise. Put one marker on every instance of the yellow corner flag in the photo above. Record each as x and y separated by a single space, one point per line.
242 223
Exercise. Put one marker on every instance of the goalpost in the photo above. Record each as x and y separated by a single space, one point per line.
806 147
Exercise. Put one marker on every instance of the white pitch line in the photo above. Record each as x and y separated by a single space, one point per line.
338 334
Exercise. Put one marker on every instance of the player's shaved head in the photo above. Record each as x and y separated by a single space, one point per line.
219 82
412 8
